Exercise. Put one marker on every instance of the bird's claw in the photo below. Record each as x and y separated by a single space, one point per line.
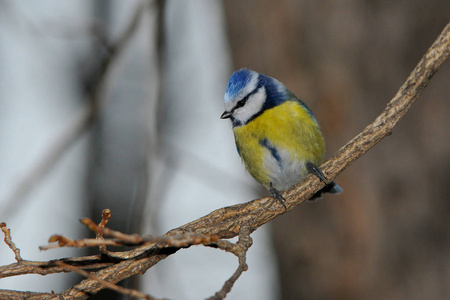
313 169
277 195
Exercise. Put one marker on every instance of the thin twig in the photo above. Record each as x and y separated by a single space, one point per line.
122 239
132 239
178 240
106 215
62 241
10 243
240 249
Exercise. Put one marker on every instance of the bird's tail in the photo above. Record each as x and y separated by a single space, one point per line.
332 188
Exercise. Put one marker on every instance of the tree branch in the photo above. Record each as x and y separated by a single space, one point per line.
10 243
240 250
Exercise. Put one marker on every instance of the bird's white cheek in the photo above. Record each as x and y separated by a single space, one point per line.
242 115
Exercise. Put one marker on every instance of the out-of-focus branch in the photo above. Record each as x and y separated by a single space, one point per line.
106 214
50 267
243 219
80 123
18 295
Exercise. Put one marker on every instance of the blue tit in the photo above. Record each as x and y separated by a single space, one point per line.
276 134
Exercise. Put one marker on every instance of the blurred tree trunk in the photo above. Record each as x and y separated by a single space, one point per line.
118 166
387 235
123 139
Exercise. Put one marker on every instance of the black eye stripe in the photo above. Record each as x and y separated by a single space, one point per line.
241 102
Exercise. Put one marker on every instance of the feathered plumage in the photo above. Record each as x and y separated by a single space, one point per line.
276 134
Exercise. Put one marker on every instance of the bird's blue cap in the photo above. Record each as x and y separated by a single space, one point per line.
239 81
245 81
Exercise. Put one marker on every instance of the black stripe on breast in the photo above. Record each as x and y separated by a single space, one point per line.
266 144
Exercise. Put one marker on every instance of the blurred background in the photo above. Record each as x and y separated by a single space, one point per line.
116 104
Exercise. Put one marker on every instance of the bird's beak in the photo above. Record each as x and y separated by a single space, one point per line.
225 115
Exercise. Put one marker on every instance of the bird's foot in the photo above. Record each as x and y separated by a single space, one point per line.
277 195
313 169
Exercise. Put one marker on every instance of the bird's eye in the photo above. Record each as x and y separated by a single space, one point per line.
241 103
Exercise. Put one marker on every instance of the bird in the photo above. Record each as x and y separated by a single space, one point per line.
277 136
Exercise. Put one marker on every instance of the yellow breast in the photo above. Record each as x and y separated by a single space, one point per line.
276 145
